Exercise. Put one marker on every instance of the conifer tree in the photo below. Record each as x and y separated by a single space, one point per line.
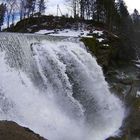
125 19
136 19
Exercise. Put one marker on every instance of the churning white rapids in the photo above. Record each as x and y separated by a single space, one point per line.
56 88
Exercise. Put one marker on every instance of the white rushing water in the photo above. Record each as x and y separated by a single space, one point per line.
56 88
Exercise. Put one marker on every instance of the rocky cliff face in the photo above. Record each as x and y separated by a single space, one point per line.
123 77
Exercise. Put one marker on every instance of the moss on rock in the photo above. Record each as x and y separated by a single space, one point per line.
102 53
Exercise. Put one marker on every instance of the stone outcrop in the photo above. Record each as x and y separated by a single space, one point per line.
12 131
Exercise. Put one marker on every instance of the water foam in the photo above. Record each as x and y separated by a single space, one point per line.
71 101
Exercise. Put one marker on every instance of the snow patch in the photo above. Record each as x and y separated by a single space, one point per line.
105 45
72 33
138 94
66 33
137 63
44 32
100 39
98 32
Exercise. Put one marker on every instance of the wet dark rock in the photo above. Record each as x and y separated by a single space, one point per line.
12 131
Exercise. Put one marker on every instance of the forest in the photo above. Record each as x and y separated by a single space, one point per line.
113 14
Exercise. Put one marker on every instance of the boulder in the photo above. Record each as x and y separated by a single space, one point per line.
12 131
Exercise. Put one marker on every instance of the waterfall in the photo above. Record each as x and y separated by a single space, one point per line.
56 88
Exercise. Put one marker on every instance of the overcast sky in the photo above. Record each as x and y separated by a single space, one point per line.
52 6
132 4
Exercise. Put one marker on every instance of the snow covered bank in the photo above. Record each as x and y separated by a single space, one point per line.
71 33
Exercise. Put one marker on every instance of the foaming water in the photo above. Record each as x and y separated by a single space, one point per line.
57 89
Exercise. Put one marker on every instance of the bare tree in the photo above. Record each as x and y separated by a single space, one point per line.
11 7
22 5
2 14
74 5
30 7
41 7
